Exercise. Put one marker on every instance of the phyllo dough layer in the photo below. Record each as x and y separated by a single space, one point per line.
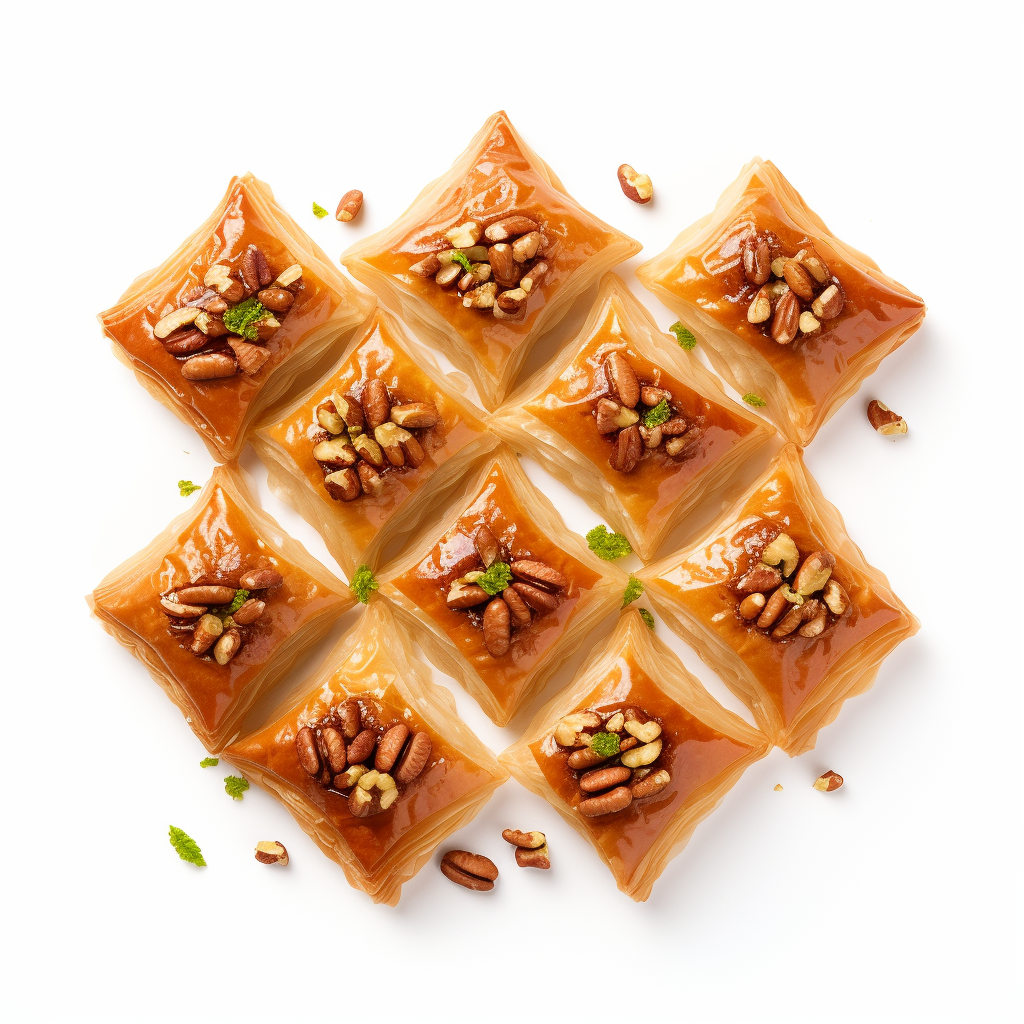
223 544
785 310
524 235
382 374
700 439
249 251
780 602
503 643
378 847
674 753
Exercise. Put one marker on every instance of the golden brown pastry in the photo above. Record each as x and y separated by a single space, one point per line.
786 312
220 606
782 605
631 422
372 760
246 307
376 445
634 754
488 257
498 593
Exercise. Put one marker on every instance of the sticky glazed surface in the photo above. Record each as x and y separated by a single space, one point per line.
501 181
449 776
695 755
379 355
811 367
427 585
652 490
217 547
221 404
792 670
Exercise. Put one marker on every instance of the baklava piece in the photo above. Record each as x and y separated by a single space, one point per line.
787 312
220 606
373 761
376 444
782 605
499 593
488 257
223 329
634 754
631 422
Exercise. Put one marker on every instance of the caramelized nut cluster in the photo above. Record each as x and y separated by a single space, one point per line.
223 324
348 751
365 438
639 418
614 756
492 265
204 609
533 587
795 293
783 599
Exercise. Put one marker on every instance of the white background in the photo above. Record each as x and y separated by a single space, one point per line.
896 898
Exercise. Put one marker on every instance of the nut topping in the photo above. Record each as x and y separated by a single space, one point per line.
415 759
336 453
628 449
227 646
497 626
759 580
814 573
799 280
786 320
487 547
783 550
362 746
250 357
208 366
539 600
835 598
635 187
604 778
180 317
622 378
390 747
180 610
751 606
538 573
509 227
206 595
828 304
260 579
376 402
607 803
884 420
277 299
305 747
470 870
756 262
415 415
650 785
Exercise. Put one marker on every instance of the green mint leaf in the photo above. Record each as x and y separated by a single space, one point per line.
186 847
606 744
634 588
235 787
658 415
318 211
755 400
607 545
683 336
647 617
458 256
241 596
242 318
186 487
363 583
496 579
209 762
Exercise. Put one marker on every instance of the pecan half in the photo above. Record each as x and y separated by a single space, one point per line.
503 265
525 247
539 600
305 748
829 303
179 610
799 279
277 299
497 628
622 378
370 480
650 785
538 573
350 205
376 402
759 579
629 446
206 595
509 227
814 572
786 320
390 747
362 746
260 579
752 605
228 644
604 778
415 415
185 343
336 453
465 595
209 366
334 748
607 803
757 262
350 718
635 187
470 870
487 547
249 612
518 608
415 759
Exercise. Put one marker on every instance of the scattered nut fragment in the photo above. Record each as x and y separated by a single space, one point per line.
808 323
350 205
829 304
470 870
524 840
884 420
835 597
778 787
635 187
538 858
828 782
760 309
270 852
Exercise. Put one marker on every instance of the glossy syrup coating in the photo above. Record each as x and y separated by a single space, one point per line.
218 407
651 491
427 585
812 366
381 354
693 753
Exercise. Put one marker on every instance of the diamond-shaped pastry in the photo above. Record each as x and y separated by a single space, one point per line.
375 445
634 754
578 421
786 312
525 250
498 593
780 602
220 606
372 760
224 327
